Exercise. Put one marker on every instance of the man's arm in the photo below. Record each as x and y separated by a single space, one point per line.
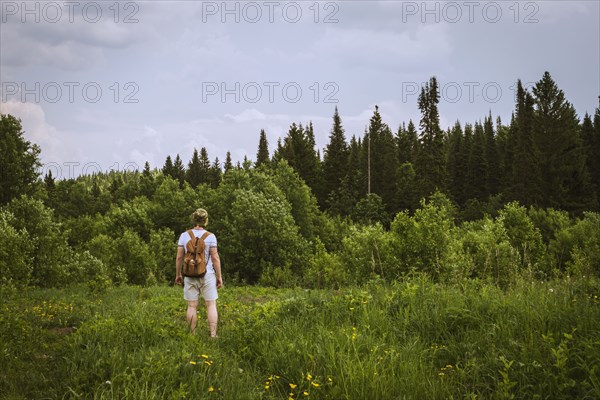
216 261
178 262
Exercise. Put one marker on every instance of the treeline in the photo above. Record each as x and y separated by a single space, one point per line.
544 157
501 201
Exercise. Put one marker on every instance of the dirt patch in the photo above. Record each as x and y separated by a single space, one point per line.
63 331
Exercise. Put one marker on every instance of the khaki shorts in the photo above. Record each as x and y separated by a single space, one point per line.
192 287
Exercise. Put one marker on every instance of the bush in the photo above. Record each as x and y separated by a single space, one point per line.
91 271
523 236
423 240
370 251
16 251
260 232
134 255
104 248
585 253
486 252
50 254
325 270
162 248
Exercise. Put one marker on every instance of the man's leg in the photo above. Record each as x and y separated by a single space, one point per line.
191 316
213 316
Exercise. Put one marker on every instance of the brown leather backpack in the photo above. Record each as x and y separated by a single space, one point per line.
194 261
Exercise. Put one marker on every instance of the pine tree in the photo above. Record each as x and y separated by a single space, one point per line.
468 187
215 174
457 164
564 176
526 177
194 170
335 158
179 170
168 169
147 181
49 181
407 143
353 186
146 171
380 143
477 164
228 164
491 155
204 170
246 164
312 170
262 155
430 161
298 148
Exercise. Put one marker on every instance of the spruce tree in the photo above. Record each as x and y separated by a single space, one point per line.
146 171
298 148
228 164
564 176
147 181
204 169
168 169
215 174
262 155
407 142
353 186
526 176
430 161
477 164
457 164
49 181
335 158
179 170
380 142
194 170
491 155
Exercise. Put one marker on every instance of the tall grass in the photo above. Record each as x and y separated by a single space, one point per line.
412 339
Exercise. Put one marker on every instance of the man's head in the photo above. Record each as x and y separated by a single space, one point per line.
200 217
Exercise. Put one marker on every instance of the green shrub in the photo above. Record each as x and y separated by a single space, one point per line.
16 251
369 251
487 252
325 270
50 254
423 241
524 236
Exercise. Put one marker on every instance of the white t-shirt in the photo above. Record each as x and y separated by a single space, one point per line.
210 242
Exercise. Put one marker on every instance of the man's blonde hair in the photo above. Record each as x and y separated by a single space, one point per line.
200 217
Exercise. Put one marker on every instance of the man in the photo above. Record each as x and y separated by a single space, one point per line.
207 285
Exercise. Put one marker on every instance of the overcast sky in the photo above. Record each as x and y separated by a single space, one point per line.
102 85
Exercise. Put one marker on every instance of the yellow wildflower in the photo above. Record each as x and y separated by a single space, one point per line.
305 393
193 362
309 377
211 389
315 384
293 386
205 356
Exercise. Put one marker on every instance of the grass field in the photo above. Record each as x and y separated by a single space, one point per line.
413 339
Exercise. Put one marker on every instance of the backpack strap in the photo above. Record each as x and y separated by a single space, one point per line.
191 233
206 234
